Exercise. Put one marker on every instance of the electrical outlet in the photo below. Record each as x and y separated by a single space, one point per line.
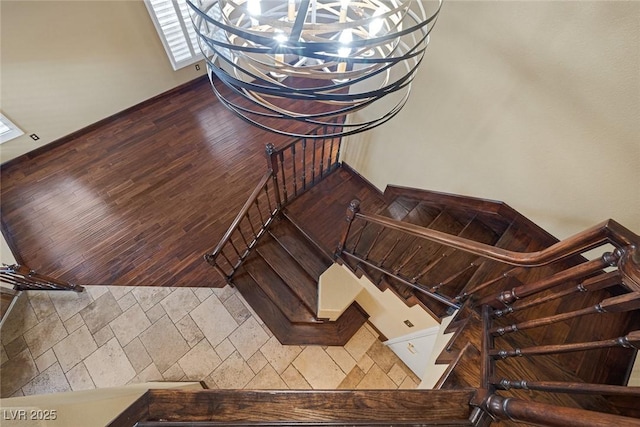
34 137
197 67
408 323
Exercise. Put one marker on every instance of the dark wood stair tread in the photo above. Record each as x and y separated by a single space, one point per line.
312 260
277 290
292 273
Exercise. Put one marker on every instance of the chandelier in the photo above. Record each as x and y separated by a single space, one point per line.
314 61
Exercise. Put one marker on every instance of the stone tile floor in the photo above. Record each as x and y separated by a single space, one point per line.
111 336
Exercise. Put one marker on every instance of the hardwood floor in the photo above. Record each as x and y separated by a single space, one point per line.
139 199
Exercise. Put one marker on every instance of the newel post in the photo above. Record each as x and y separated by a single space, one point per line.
629 266
352 210
272 163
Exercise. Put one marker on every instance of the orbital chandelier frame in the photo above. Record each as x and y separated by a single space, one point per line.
314 61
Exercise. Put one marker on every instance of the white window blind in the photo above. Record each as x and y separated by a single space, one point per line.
173 23
8 130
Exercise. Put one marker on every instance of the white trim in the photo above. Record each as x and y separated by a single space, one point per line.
180 50
8 130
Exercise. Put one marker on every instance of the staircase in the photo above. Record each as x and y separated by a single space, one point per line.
516 289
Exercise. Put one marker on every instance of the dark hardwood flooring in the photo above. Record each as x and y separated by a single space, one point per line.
139 199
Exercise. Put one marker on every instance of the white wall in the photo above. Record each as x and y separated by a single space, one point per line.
67 64
533 103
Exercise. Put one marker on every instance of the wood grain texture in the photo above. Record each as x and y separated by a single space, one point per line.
140 197
375 405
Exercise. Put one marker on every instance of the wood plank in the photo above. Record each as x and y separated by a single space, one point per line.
312 405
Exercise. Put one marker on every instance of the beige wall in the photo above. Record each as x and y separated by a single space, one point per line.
67 64
533 103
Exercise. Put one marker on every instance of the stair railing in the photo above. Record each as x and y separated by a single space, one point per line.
24 279
292 170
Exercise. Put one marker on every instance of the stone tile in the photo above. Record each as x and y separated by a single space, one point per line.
150 373
50 381
248 306
148 297
164 343
225 349
16 373
69 303
408 384
74 348
294 379
73 323
103 335
15 347
120 291
320 371
179 302
223 293
189 330
100 312
129 324
41 304
79 378
174 373
278 355
109 366
257 362
202 293
96 291
200 361
397 374
376 379
358 345
21 319
382 356
365 363
214 320
155 313
46 360
137 355
248 338
352 379
4 357
232 373
127 301
342 358
237 309
267 379
45 335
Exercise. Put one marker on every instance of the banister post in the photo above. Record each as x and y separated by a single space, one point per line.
352 210
629 266
272 163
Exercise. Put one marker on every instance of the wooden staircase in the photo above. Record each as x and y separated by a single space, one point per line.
516 288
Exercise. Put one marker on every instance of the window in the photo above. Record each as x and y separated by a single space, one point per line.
173 23
8 130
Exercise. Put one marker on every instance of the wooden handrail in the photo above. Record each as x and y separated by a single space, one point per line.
606 232
236 222
551 415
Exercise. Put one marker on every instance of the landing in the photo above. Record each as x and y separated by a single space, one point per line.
321 211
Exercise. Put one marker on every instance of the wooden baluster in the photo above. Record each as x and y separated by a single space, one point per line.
573 273
551 415
375 240
352 210
432 264
284 181
631 340
568 387
512 272
272 160
313 163
295 171
303 165
487 364
626 302
262 221
406 260
389 252
268 197
359 234
598 282
243 237
454 276
253 230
